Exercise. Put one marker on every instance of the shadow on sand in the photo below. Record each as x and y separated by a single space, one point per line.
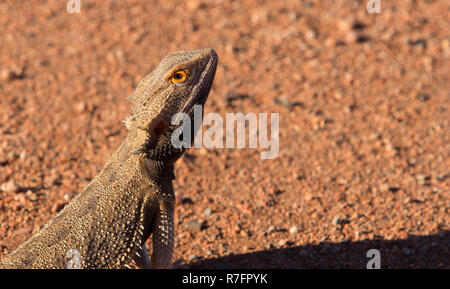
413 252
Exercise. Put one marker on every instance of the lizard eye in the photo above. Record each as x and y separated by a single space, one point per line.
180 77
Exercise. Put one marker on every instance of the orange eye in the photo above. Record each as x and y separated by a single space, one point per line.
179 76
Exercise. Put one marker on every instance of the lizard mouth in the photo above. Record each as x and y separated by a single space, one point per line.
200 92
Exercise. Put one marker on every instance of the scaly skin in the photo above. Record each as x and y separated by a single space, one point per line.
132 197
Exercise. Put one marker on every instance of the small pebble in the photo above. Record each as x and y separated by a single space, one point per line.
293 230
420 179
187 200
407 251
207 212
194 226
9 187
336 221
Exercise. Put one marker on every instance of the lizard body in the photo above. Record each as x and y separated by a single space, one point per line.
132 198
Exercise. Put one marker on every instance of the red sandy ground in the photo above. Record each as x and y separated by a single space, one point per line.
364 124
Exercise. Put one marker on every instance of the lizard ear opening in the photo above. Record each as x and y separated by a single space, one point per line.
155 134
159 128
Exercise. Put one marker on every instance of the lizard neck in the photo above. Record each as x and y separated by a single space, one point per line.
160 172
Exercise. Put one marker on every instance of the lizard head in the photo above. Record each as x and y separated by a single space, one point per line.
182 80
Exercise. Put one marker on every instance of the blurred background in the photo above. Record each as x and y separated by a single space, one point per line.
363 100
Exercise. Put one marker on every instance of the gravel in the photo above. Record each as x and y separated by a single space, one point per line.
362 102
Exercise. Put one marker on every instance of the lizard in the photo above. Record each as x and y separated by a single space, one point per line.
132 198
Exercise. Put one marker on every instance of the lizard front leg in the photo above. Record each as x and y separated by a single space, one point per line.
163 236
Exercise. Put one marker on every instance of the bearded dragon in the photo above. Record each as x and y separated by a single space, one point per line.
107 224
